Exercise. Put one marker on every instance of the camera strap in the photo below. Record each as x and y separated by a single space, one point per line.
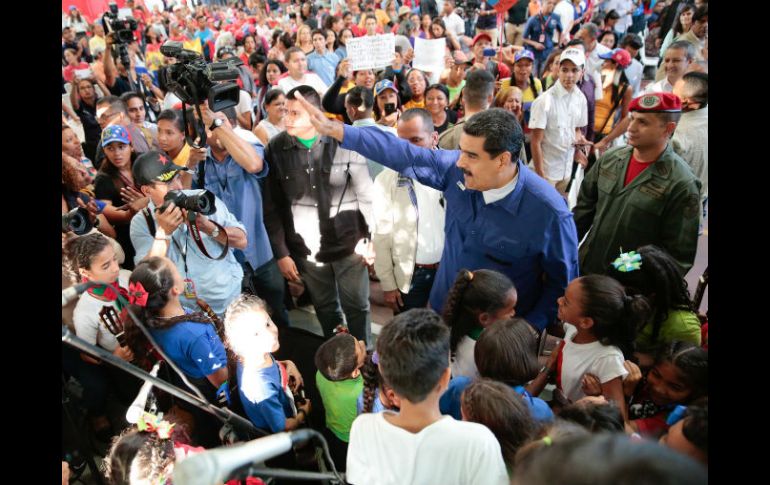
195 231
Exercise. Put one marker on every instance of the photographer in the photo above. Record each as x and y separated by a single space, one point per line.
120 78
232 169
216 281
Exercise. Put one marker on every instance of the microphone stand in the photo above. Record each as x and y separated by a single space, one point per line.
223 414
262 472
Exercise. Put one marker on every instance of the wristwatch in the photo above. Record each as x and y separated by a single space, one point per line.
216 124
215 232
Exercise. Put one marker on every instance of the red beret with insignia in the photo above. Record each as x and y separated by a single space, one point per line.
656 103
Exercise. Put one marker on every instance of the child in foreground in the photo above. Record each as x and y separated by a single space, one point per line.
340 383
419 445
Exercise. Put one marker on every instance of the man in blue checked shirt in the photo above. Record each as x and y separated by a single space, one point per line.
499 214
232 169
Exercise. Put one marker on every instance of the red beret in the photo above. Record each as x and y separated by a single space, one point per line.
657 103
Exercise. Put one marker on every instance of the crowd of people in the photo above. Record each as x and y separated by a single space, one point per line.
530 212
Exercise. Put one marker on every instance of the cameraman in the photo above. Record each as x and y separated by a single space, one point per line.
232 168
120 78
217 282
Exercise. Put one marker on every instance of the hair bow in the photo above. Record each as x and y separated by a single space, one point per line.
154 424
376 358
137 295
626 262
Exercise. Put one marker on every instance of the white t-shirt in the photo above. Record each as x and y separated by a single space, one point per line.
566 13
455 24
446 452
311 79
558 113
88 326
464 363
603 361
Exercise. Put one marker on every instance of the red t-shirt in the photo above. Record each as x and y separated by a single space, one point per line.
635 167
69 71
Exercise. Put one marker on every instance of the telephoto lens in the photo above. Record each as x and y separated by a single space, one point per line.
77 221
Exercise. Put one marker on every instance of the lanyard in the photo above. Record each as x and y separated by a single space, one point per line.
183 253
544 24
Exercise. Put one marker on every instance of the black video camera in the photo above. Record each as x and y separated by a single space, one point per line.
123 30
77 221
202 202
193 80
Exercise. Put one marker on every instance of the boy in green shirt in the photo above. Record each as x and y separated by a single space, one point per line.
339 381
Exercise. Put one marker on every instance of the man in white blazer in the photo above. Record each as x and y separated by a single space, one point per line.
409 224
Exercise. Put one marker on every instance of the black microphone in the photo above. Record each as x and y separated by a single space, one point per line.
215 466
73 292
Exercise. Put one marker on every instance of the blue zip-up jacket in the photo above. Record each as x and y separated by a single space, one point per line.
529 235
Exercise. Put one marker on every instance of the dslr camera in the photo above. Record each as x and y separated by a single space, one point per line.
201 202
193 80
77 221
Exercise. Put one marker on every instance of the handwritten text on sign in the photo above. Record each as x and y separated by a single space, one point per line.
371 52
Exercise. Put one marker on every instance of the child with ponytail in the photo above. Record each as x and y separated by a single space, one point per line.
475 301
190 340
600 323
377 396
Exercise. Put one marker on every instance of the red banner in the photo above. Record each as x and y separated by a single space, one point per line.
92 9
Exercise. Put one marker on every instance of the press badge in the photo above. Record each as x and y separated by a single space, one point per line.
542 38
189 289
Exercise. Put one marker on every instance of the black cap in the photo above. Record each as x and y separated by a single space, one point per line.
154 166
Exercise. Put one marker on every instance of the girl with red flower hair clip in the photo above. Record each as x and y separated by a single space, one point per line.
190 340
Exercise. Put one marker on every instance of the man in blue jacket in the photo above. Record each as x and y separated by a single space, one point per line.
499 215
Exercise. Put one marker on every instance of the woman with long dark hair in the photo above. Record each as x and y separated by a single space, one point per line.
682 25
268 79
114 185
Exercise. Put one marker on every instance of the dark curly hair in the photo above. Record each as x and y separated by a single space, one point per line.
82 250
473 293
660 279
150 457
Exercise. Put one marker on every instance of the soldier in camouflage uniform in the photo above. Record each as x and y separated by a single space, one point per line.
640 194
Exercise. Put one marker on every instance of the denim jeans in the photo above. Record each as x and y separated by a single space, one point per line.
344 283
419 289
267 283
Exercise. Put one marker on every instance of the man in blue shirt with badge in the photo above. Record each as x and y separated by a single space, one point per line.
499 214
232 170
538 33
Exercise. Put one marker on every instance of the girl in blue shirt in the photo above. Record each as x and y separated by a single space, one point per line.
190 340
506 351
